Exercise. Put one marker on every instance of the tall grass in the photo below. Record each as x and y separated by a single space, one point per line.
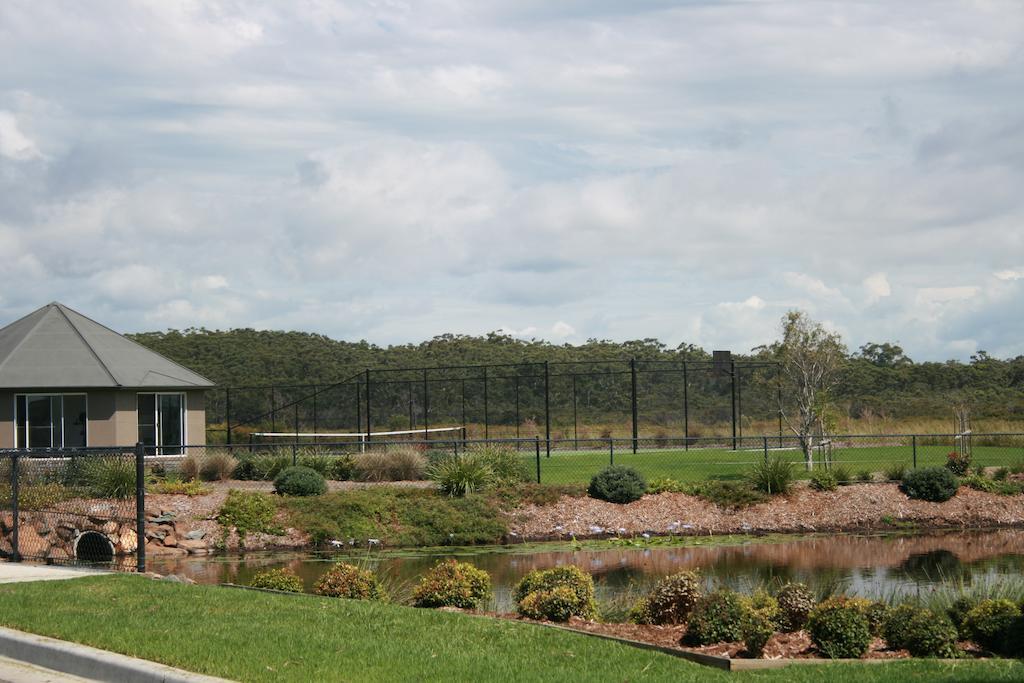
773 475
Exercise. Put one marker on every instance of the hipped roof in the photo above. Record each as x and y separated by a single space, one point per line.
58 348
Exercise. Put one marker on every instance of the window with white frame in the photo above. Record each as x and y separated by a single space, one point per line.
50 420
162 422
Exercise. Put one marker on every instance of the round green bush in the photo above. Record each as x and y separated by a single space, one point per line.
989 622
579 583
719 617
558 604
761 602
895 628
671 601
934 484
839 630
957 611
757 630
930 635
617 484
453 584
277 580
300 481
795 602
348 581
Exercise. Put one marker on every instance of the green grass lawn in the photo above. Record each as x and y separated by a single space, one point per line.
252 636
569 466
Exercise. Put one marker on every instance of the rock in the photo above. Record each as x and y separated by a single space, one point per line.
127 542
109 528
194 547
56 553
157 550
164 517
175 578
66 532
6 521
196 535
170 540
159 532
30 543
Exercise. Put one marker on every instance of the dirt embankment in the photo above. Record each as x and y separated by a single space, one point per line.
849 508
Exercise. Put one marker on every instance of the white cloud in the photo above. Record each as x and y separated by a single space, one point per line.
1009 275
811 285
876 287
14 144
561 330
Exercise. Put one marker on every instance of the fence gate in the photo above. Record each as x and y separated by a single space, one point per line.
74 506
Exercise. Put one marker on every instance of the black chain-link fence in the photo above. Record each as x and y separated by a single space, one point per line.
73 506
852 458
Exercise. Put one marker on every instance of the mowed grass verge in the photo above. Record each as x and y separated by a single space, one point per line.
253 636
699 464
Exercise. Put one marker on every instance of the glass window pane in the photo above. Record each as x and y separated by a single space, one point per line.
74 421
40 422
147 421
171 422
21 418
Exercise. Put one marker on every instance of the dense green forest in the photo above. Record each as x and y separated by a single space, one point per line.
274 376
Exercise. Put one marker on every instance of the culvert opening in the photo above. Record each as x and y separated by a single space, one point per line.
94 547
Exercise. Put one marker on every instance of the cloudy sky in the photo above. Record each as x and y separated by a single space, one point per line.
393 170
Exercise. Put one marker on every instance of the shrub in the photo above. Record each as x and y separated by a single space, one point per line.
824 480
277 580
718 617
348 581
757 630
453 584
865 476
896 627
762 603
957 611
843 475
247 512
617 484
1001 474
341 468
958 463
572 579
111 477
839 630
395 464
457 475
671 601
668 485
1001 487
989 621
934 484
772 475
300 481
895 471
728 495
795 603
930 635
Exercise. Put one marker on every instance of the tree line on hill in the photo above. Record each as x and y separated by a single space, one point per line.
877 379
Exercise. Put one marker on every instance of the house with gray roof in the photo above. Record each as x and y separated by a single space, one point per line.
67 381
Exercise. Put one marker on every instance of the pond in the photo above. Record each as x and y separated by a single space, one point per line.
868 565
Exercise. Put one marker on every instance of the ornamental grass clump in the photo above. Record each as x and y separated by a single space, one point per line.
111 477
453 584
718 617
396 464
671 600
617 484
839 630
300 481
349 581
458 475
556 594
795 603
277 580
773 475
933 484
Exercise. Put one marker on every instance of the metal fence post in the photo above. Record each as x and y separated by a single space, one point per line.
227 413
140 507
686 408
611 452
487 412
913 443
15 552
765 449
547 407
632 378
536 445
367 404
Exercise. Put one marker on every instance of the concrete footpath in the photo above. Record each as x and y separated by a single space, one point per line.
14 572
13 671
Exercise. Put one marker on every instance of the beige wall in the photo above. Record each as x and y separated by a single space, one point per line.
113 417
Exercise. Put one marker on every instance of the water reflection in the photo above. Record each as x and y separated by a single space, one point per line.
866 565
